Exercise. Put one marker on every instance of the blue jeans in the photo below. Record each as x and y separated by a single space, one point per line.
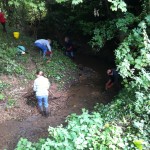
42 100
42 47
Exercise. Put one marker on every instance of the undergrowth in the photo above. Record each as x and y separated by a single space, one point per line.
59 68
122 124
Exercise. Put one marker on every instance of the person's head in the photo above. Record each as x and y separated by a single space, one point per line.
49 40
109 72
66 39
39 73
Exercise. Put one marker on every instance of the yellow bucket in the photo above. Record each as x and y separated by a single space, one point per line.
16 35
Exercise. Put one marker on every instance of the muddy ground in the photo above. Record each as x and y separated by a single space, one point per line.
24 120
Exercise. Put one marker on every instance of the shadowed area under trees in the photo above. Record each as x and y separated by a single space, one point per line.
113 32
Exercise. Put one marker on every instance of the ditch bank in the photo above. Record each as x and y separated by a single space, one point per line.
85 93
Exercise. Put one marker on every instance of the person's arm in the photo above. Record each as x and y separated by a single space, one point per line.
49 84
48 46
109 84
70 48
34 86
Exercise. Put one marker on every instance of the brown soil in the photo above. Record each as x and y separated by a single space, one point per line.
24 120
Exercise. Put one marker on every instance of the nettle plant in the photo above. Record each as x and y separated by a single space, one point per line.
86 131
133 57
114 126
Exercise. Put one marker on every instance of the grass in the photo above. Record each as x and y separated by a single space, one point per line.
59 69
11 103
2 97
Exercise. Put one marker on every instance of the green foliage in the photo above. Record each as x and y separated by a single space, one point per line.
11 103
24 144
8 65
8 58
32 10
103 32
133 58
3 85
74 2
107 30
61 69
124 23
2 97
122 124
118 4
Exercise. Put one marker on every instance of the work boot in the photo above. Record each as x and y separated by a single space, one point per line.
46 112
41 110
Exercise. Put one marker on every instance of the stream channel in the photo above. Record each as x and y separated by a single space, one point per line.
85 94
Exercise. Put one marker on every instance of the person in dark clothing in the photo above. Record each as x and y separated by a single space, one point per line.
69 48
113 78
3 21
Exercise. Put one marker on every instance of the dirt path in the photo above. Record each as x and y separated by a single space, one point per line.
85 94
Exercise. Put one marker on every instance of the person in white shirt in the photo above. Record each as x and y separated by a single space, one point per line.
41 87
44 45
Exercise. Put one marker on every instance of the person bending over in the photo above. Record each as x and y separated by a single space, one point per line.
113 78
44 45
41 87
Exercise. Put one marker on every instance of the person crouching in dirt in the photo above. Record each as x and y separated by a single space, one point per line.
113 78
41 87
3 21
69 51
44 45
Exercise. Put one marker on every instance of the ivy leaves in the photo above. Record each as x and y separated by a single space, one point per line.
118 4
107 30
132 58
122 124
74 2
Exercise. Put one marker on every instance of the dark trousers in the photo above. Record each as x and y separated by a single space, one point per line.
70 54
4 27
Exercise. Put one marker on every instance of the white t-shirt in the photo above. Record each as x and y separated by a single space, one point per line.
41 86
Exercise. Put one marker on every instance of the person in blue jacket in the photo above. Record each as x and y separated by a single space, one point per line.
44 45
